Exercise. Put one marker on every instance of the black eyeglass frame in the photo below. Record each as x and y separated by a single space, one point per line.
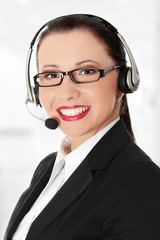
102 73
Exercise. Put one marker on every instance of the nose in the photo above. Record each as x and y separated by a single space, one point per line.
68 90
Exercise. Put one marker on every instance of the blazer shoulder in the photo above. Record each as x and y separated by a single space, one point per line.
132 157
135 170
130 154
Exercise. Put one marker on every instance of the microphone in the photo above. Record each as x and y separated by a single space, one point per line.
51 123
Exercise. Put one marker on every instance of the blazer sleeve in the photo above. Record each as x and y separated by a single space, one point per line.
133 210
42 167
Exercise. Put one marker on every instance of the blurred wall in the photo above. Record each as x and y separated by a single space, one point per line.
24 141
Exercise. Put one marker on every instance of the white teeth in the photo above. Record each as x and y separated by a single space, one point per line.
73 112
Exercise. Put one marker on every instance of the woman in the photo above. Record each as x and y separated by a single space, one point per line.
106 187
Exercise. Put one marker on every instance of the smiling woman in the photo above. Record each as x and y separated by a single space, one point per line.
70 95
100 184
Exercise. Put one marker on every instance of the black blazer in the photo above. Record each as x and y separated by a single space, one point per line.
113 195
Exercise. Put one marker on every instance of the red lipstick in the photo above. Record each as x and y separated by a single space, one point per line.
73 113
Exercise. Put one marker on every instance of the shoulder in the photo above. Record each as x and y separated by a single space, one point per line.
135 180
133 164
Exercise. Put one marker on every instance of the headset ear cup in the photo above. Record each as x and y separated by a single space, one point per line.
122 80
36 94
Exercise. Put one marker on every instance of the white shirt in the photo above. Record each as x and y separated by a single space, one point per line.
72 161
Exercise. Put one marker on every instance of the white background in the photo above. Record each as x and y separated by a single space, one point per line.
24 141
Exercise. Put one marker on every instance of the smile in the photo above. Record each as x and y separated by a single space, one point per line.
73 113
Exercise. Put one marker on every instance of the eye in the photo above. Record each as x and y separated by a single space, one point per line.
88 71
51 75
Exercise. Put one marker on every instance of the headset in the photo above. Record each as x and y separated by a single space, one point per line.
128 80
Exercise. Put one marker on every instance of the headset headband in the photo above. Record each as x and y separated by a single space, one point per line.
128 79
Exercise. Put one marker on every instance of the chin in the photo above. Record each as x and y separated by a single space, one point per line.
73 130
73 133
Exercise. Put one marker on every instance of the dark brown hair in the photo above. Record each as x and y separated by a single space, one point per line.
101 30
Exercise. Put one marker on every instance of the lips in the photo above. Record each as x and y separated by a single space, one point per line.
73 113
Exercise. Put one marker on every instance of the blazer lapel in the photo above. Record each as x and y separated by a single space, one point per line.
73 187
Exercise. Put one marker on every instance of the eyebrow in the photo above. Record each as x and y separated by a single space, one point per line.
77 63
86 61
50 65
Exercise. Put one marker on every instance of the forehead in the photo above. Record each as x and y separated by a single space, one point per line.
76 45
73 38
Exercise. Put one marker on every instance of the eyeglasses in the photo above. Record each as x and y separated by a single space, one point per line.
79 76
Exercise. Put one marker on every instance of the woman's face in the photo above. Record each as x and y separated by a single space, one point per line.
100 100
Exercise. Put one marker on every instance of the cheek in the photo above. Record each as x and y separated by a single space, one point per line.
104 104
46 98
105 92
104 98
